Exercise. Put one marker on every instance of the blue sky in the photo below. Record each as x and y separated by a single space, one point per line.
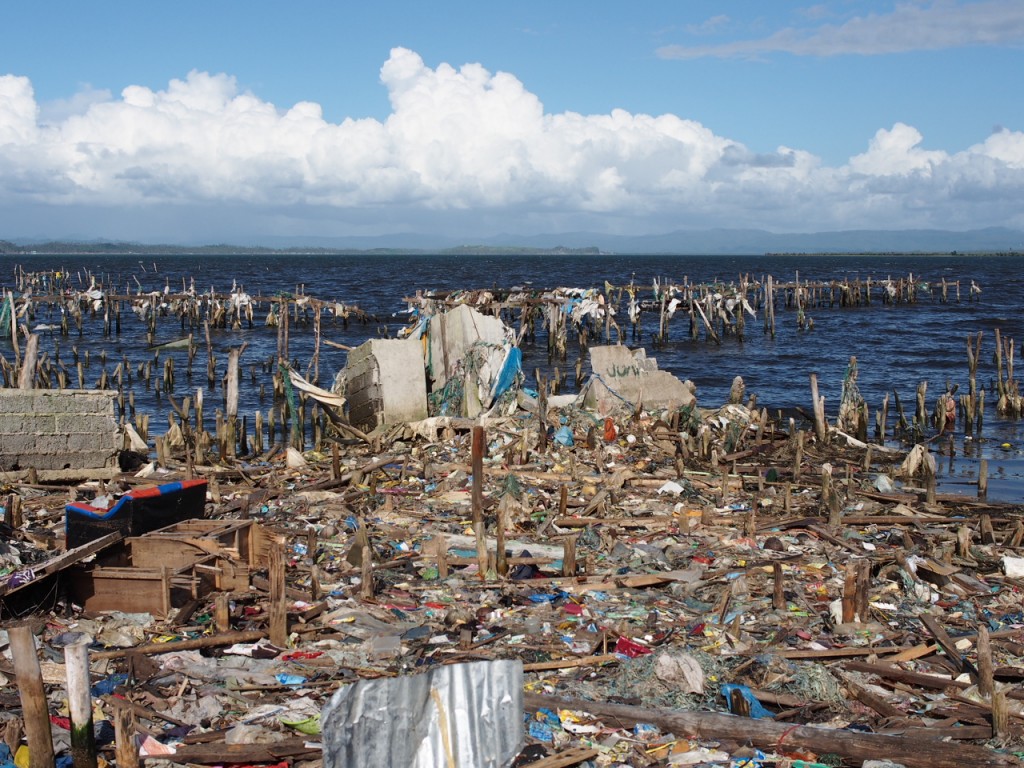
215 120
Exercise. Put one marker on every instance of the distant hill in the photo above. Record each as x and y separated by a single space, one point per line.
710 242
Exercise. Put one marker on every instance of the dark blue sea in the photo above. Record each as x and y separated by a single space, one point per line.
897 346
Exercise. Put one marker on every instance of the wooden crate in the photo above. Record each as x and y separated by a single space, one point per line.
182 543
162 570
156 590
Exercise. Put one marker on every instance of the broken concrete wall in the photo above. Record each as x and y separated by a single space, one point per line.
464 342
386 383
621 375
50 429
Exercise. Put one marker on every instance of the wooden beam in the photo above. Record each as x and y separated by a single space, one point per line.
213 641
61 562
913 752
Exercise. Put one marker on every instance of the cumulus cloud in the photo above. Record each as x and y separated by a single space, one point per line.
909 27
467 146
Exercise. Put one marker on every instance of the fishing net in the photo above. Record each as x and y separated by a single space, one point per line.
293 402
447 401
6 316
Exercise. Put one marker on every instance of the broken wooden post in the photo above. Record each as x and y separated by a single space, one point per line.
778 595
83 740
983 478
366 575
35 709
222 612
12 512
500 557
569 556
126 750
478 447
1000 716
928 468
820 426
850 592
988 534
856 591
986 681
26 378
278 613
442 557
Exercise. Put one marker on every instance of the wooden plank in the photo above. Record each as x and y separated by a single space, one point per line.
580 661
212 641
834 653
218 753
61 562
565 759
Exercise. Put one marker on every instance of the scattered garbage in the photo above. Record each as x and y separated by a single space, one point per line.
491 576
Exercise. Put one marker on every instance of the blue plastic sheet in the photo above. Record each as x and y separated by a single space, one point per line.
563 436
756 710
507 376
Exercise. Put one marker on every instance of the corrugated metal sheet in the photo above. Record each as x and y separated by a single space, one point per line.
456 716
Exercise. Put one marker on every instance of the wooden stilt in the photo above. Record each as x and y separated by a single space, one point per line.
366 575
778 595
478 448
500 556
278 613
83 739
442 557
986 682
34 707
222 612
569 556
126 750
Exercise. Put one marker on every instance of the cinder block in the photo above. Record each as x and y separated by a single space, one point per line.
16 401
92 423
12 423
55 429
85 443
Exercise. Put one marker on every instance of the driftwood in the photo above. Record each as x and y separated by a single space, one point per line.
213 641
911 751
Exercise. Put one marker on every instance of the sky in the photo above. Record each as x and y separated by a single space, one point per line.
235 122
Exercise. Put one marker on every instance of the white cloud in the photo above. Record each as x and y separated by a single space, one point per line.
61 109
895 153
469 146
909 27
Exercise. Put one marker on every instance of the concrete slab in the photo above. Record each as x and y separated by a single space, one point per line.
386 383
622 376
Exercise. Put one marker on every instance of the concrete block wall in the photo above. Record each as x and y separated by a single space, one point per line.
386 383
57 429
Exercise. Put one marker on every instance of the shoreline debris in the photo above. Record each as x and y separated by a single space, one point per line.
678 584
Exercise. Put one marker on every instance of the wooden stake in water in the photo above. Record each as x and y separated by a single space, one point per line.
820 426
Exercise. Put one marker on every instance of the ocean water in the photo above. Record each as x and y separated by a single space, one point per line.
897 346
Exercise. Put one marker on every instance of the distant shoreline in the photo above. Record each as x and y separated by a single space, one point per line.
129 250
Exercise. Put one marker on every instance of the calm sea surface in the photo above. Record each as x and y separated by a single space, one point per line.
897 346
